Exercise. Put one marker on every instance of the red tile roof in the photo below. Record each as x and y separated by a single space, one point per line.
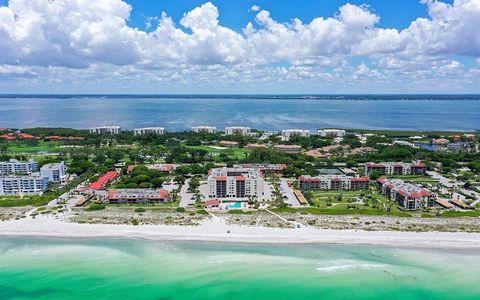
381 180
26 136
101 182
8 136
364 178
167 168
309 179
419 165
212 202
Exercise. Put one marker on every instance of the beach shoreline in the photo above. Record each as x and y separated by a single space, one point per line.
219 232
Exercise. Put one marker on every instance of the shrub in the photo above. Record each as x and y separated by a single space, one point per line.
180 209
140 209
95 206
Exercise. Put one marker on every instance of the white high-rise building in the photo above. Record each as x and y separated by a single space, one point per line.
54 172
22 185
237 130
14 166
236 184
331 132
204 129
105 130
289 133
149 130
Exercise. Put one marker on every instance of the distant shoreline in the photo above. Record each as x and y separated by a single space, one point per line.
380 97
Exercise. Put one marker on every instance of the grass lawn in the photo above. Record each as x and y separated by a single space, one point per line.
416 179
360 210
173 204
454 214
238 153
12 201
23 146
345 206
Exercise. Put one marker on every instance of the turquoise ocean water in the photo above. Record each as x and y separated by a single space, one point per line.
43 268
274 112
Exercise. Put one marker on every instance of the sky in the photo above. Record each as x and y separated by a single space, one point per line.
246 47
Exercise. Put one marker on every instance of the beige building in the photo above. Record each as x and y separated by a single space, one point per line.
289 133
149 130
105 130
290 149
204 129
237 130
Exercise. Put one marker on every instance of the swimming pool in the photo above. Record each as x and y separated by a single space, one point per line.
237 205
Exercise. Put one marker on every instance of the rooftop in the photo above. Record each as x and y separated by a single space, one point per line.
138 194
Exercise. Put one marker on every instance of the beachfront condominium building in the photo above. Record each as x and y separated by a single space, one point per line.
149 130
138 196
409 196
236 184
55 172
289 133
105 130
13 185
204 129
14 166
333 182
331 132
237 130
396 168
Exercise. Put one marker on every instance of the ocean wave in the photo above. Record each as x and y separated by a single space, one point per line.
346 265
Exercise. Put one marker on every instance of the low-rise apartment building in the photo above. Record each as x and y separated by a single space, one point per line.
289 133
333 182
14 166
105 130
331 132
138 196
236 184
237 130
256 146
289 149
13 185
409 196
149 130
55 172
229 144
204 129
275 168
396 168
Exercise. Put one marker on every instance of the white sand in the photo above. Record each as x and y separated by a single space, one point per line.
215 230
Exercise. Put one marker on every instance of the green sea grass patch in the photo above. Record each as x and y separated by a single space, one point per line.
95 206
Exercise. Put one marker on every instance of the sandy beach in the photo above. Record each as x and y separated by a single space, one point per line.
216 230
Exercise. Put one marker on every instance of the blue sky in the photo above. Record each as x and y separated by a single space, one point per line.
252 46
236 14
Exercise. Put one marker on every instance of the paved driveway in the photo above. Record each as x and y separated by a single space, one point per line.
185 195
288 192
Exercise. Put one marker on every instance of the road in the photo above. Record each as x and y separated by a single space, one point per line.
185 196
268 192
448 183
443 180
288 192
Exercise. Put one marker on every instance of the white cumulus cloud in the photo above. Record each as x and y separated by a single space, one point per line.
95 35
